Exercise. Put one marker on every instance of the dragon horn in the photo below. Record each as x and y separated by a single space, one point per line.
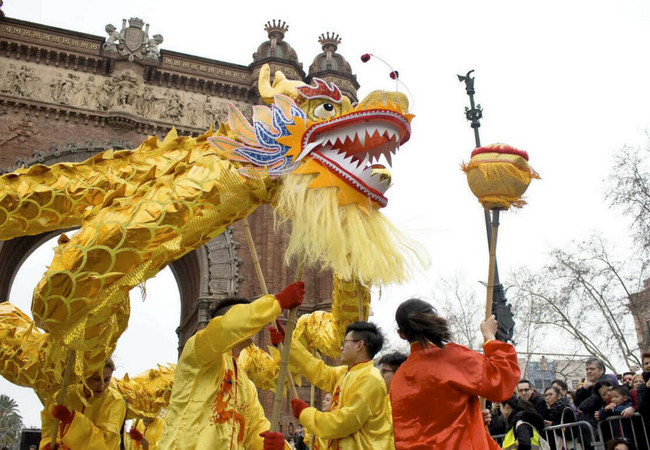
281 85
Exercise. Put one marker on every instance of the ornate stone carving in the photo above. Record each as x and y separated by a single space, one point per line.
88 93
62 89
113 39
173 107
123 91
152 47
224 265
146 102
10 80
132 41
21 82
210 112
193 110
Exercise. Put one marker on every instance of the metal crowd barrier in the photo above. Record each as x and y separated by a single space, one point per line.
633 429
572 436
568 436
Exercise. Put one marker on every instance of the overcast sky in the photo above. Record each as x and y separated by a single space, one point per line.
563 80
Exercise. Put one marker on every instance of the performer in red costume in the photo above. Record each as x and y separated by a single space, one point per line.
434 394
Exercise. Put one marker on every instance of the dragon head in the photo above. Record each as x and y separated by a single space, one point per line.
315 130
327 152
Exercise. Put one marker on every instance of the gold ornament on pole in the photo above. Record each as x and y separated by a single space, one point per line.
498 175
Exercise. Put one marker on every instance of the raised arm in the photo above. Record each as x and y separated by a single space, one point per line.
238 324
314 369
243 321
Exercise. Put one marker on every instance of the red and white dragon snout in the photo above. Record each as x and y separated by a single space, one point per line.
350 146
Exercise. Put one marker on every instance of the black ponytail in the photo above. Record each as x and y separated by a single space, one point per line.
419 322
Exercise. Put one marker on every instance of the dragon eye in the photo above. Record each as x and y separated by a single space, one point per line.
324 111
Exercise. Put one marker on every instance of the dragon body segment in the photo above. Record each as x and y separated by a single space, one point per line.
310 153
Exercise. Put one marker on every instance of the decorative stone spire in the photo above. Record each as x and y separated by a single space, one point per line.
276 47
329 42
276 31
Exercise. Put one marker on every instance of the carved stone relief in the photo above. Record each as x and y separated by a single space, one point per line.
123 91
21 82
224 265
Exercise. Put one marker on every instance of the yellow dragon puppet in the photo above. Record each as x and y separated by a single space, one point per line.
311 153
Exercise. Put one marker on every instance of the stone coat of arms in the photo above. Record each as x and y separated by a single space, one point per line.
133 41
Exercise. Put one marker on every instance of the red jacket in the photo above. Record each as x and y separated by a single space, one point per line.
434 395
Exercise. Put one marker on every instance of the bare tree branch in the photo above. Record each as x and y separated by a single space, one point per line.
585 293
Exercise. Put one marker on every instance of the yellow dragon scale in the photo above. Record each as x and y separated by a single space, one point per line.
179 195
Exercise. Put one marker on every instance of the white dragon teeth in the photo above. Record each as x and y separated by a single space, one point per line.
357 168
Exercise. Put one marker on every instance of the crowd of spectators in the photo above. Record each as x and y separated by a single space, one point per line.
598 397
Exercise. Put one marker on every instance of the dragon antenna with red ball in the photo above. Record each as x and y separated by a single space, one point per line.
393 74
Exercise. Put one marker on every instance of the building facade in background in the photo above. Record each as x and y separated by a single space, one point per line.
640 307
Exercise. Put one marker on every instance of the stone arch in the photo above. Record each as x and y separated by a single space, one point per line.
204 276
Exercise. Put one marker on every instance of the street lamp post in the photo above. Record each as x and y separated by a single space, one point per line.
500 307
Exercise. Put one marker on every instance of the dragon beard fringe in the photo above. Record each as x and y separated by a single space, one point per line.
355 244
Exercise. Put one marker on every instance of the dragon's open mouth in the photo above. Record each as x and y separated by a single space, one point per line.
350 146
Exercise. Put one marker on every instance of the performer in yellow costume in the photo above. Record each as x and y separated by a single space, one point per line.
214 405
145 434
360 416
92 419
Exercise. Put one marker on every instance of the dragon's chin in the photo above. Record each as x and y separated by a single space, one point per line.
357 244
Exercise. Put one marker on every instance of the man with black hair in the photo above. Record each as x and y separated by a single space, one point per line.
359 416
526 391
388 365
626 379
213 404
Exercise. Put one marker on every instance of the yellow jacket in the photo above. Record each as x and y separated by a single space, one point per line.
150 432
213 403
97 425
360 415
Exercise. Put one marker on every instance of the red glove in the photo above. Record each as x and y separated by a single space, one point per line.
298 405
63 414
292 295
277 334
135 434
273 440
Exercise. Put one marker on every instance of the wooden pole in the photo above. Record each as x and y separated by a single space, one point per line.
491 269
312 389
361 316
61 399
312 395
256 259
284 364
492 264
265 290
